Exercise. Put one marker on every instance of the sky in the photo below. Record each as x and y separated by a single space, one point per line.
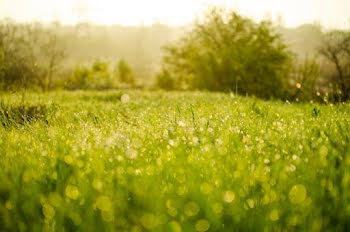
329 13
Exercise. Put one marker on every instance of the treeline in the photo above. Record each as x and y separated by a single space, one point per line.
231 53
223 52
46 57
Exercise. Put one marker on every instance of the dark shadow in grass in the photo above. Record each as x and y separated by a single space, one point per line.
19 115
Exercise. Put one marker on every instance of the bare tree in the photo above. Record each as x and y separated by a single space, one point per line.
54 53
336 49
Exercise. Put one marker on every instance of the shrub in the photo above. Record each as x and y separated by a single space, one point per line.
124 73
95 76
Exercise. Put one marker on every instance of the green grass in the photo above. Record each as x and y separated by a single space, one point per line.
86 161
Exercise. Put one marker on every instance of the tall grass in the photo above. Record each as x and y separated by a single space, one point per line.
156 161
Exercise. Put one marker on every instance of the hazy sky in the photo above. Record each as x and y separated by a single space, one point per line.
330 13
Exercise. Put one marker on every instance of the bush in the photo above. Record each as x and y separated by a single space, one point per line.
165 80
227 51
124 73
95 76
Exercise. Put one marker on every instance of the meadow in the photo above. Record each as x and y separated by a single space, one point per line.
179 161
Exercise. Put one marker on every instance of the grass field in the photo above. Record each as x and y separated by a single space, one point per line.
156 161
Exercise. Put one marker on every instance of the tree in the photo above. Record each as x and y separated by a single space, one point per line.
54 53
226 52
124 72
336 49
30 55
304 78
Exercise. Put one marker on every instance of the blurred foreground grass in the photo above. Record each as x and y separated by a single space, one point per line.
139 161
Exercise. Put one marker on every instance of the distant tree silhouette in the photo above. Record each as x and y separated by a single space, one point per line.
124 73
336 49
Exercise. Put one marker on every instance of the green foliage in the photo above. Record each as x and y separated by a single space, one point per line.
95 76
166 81
182 161
124 73
227 50
304 79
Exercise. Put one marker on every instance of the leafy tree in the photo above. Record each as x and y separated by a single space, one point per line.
336 49
226 52
124 73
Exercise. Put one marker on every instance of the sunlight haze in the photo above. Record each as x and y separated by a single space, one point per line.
329 13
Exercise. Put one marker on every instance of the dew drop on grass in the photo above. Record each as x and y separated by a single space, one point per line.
274 215
174 226
202 225
125 98
297 194
191 209
131 154
75 218
149 221
229 196
206 188
217 207
107 216
55 199
323 151
68 159
72 192
182 124
251 203
104 203
136 229
48 211
172 211
97 184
